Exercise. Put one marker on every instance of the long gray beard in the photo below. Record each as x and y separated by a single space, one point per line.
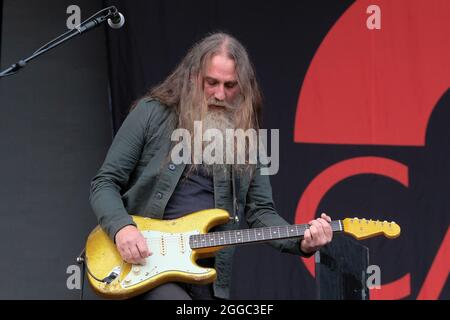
220 120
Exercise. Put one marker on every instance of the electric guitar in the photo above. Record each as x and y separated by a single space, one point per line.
177 244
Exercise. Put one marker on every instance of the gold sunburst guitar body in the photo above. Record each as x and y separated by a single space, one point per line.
177 244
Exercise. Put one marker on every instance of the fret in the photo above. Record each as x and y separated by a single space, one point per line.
218 238
292 231
245 234
227 237
283 232
232 237
267 233
238 236
274 232
261 234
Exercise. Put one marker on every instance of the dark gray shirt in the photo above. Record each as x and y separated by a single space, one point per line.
194 192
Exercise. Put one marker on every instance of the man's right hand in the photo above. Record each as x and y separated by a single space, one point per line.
132 245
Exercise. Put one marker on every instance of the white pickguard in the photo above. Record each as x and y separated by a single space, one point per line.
170 252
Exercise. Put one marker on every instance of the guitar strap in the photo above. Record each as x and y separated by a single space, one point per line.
235 182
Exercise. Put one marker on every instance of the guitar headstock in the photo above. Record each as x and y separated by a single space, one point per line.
363 229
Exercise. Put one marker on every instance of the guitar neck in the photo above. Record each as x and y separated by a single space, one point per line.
254 235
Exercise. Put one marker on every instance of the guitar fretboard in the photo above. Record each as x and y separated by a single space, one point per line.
236 237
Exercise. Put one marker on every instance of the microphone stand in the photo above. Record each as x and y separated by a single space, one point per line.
87 25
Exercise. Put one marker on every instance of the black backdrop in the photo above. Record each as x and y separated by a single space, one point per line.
282 38
1 17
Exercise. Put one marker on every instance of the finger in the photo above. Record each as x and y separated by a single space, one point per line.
125 254
326 229
307 236
324 223
128 255
314 232
318 227
320 236
308 241
326 217
329 231
143 249
141 258
135 254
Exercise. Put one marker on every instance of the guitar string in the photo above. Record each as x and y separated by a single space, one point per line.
230 233
245 233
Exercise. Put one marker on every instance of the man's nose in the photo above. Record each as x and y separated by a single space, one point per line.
219 94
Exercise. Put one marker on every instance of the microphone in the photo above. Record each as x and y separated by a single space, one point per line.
117 20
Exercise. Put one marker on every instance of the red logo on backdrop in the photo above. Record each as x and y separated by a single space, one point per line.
377 87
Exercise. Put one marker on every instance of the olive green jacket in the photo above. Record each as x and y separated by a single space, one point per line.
138 178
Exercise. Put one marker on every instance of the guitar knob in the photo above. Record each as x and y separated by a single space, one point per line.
136 270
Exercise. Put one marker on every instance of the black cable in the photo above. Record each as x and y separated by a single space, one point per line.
83 275
81 260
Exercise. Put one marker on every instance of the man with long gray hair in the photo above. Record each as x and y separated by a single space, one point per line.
214 86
